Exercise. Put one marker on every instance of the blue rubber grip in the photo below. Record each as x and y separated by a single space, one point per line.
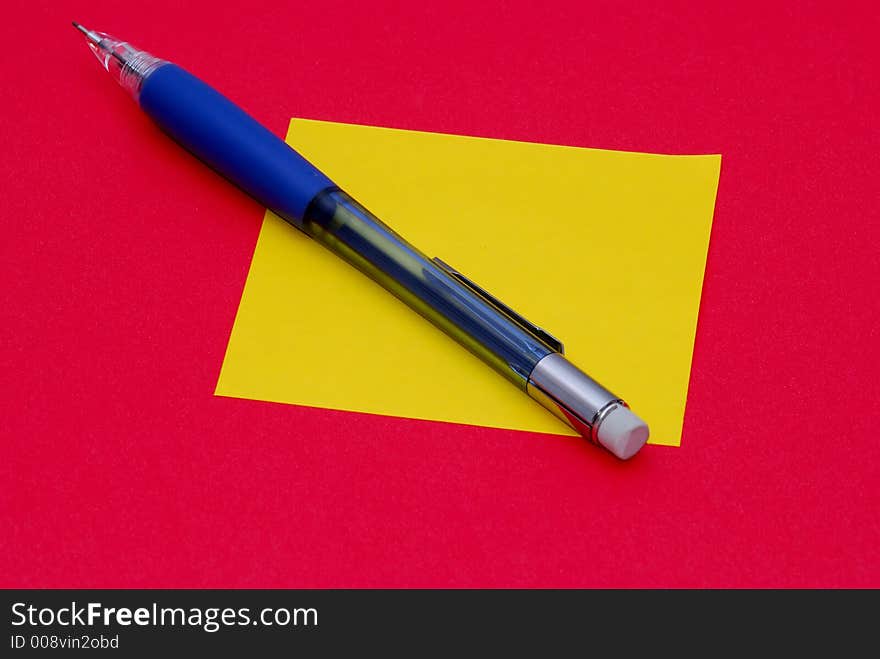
225 137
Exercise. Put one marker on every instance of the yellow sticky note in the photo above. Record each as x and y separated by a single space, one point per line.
603 249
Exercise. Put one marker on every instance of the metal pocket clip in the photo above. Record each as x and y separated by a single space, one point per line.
542 335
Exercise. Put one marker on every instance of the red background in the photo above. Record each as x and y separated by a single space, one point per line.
123 260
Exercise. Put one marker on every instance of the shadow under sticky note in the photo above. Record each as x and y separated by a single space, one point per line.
604 249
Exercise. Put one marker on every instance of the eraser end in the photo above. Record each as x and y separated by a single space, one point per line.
622 432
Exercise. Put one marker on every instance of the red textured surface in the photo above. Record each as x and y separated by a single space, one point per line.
123 260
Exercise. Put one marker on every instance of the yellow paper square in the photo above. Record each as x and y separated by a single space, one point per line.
604 249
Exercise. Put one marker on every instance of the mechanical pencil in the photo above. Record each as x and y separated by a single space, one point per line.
234 144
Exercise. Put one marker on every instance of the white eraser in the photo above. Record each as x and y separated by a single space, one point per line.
622 432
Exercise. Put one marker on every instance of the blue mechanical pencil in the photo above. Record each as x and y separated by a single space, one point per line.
227 139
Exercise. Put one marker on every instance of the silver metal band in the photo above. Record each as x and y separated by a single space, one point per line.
571 394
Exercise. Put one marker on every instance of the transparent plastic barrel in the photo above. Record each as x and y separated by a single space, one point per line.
349 230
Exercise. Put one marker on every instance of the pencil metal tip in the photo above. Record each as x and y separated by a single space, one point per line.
93 37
